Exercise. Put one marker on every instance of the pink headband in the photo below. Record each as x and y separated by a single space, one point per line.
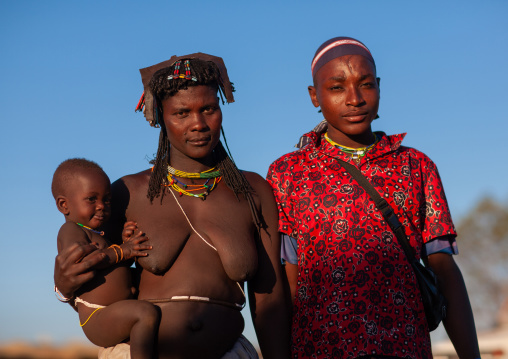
337 47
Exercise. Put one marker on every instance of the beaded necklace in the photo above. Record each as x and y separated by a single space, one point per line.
211 173
188 188
356 153
90 229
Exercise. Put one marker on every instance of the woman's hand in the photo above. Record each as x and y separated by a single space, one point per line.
73 267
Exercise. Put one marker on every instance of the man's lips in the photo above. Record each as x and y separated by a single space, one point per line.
355 116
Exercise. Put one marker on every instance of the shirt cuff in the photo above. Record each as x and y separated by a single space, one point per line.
444 244
288 249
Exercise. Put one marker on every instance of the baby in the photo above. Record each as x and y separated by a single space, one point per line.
107 311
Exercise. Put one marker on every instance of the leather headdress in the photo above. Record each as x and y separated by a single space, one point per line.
147 73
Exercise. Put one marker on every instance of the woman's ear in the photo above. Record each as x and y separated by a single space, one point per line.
61 204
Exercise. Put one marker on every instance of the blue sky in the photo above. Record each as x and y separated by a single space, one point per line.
70 83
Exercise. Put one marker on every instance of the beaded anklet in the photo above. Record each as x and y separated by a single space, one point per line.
90 229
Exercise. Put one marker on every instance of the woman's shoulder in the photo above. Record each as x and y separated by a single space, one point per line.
257 182
261 187
134 180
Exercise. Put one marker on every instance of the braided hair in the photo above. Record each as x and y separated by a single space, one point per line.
202 73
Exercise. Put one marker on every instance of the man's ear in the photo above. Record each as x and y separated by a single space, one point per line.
61 204
313 96
378 79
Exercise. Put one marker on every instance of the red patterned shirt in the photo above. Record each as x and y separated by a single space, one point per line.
356 293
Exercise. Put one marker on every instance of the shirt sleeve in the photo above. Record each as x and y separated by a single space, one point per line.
281 184
288 249
438 220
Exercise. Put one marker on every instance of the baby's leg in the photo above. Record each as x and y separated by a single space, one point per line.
136 319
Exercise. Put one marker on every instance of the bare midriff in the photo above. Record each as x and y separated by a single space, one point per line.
183 264
193 329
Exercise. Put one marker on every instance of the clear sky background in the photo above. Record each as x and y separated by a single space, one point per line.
70 82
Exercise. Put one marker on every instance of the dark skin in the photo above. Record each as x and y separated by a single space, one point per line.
181 263
347 91
87 201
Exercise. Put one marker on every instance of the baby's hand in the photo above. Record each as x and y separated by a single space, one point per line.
128 230
134 246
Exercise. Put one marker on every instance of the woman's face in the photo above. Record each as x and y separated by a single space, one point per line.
193 119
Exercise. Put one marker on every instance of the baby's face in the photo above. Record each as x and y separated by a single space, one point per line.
89 199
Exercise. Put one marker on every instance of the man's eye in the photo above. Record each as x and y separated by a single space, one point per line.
209 109
368 84
91 199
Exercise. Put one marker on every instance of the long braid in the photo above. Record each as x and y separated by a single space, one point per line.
160 168
237 182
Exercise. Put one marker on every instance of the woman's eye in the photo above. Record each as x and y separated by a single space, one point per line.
181 114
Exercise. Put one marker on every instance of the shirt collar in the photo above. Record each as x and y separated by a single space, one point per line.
385 145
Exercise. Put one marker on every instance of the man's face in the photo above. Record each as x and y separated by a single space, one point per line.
347 91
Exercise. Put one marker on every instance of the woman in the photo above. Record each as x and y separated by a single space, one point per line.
211 226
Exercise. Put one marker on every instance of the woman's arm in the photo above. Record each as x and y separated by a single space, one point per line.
74 267
459 321
268 291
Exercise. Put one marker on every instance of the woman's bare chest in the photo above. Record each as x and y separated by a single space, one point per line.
220 231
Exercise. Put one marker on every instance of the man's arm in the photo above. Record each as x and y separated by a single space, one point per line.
459 321
292 277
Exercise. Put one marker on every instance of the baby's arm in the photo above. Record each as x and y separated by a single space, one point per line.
71 234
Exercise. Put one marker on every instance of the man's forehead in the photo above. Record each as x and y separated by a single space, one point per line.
341 67
336 48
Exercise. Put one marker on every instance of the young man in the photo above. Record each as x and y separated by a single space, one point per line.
355 294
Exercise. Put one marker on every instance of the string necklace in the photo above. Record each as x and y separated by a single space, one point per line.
356 153
211 173
90 229
186 189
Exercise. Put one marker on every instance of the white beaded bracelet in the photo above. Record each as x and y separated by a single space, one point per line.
62 298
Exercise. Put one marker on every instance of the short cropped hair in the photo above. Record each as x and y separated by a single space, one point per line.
69 169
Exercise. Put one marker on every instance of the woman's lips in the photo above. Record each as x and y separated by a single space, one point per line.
199 141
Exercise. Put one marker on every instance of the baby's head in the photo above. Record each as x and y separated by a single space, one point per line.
82 192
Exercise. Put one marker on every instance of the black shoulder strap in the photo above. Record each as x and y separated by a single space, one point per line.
385 208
